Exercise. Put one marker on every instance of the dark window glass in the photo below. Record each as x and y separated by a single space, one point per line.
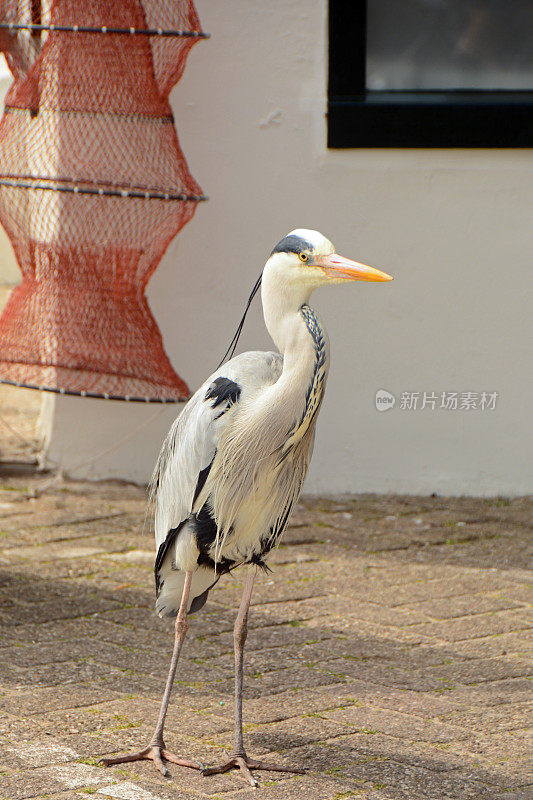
449 44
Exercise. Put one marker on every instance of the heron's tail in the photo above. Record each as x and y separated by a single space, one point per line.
171 587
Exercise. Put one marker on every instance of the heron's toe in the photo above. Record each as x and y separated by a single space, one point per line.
156 754
245 766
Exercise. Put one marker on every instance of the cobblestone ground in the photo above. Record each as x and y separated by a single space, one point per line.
388 651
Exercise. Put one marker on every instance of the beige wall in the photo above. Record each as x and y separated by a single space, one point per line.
9 269
453 227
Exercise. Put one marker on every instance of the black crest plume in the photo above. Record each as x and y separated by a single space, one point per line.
233 344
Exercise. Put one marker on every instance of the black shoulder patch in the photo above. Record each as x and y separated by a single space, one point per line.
223 390
292 244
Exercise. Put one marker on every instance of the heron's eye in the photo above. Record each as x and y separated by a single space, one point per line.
303 257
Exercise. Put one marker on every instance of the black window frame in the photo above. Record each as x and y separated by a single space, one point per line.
358 117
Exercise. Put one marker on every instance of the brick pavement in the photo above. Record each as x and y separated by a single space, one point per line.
388 654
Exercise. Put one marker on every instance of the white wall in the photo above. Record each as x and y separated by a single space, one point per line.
9 269
453 227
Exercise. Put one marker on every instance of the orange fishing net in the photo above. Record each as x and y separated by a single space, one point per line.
93 187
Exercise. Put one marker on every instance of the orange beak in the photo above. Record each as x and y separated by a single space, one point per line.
339 267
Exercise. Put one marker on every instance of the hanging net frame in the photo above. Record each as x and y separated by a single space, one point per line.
93 188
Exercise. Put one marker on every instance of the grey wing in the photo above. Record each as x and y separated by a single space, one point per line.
191 443
190 446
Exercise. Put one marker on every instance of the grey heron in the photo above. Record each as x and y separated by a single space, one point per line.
233 463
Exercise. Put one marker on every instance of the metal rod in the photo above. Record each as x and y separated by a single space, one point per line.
18 26
162 118
94 395
141 194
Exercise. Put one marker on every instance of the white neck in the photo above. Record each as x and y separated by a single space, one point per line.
282 301
300 338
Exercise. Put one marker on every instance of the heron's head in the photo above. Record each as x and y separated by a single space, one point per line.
302 261
306 258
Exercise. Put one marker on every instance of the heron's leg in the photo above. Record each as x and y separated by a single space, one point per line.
239 760
156 750
240 632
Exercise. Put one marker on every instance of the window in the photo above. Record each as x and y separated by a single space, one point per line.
430 73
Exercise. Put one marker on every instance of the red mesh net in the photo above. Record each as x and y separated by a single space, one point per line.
93 187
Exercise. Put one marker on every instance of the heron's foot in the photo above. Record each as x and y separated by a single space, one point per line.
156 753
245 764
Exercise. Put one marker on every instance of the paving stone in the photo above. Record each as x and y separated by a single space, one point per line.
38 753
306 786
477 626
478 670
515 643
125 790
507 716
352 626
28 783
359 609
73 695
491 694
509 590
395 724
371 695
462 606
428 591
